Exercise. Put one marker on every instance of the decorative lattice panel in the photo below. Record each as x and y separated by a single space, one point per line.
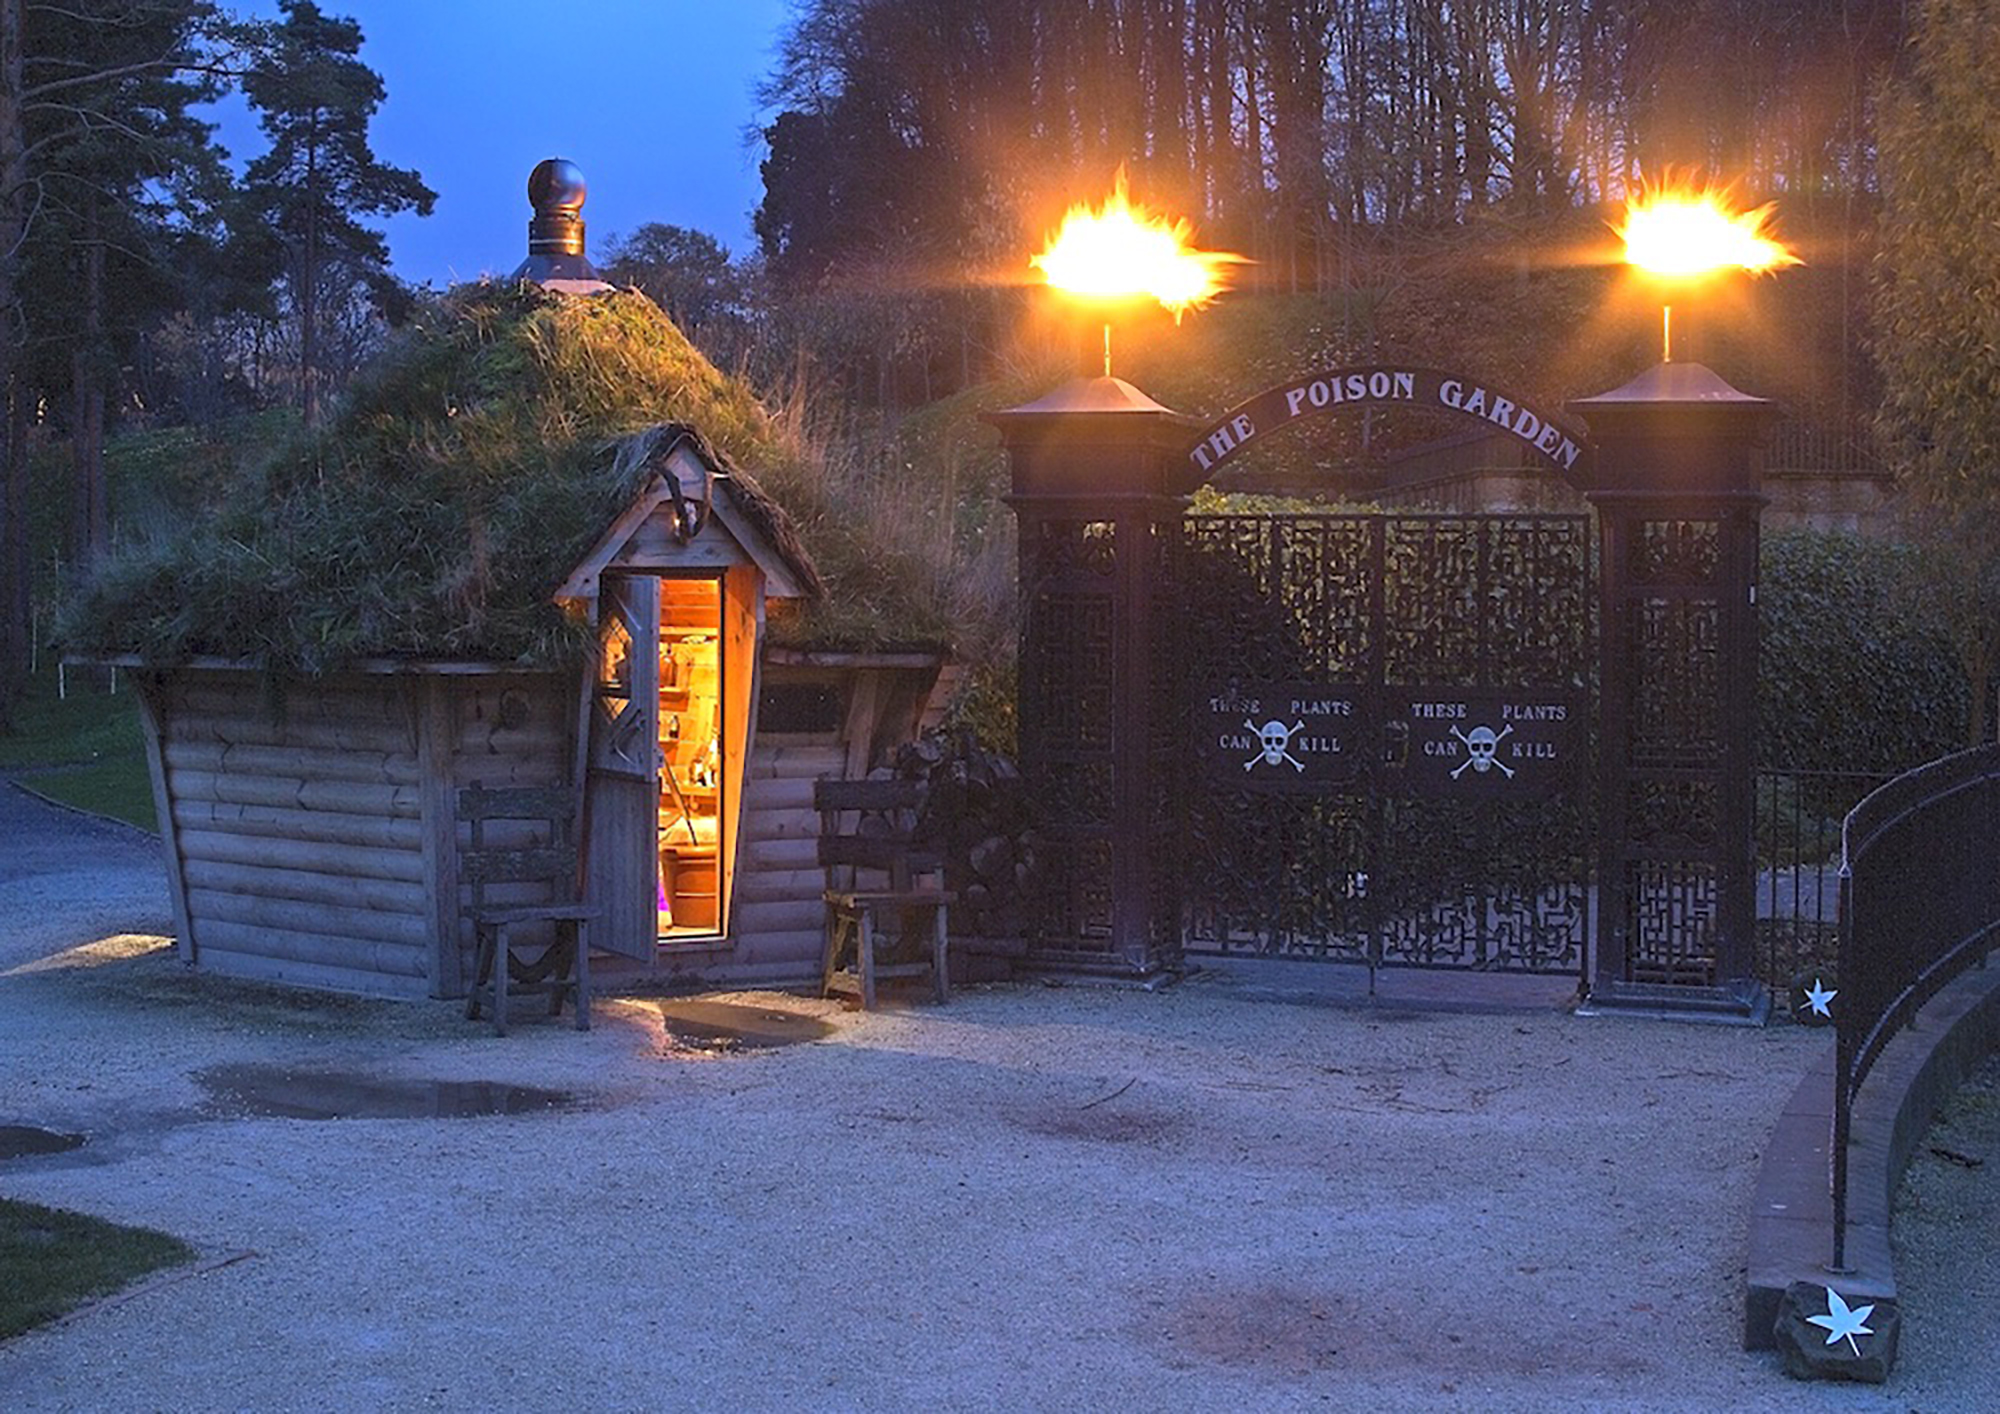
1386 726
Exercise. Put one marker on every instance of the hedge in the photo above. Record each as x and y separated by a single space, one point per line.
1853 676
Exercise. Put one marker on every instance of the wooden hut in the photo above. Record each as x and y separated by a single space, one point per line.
311 824
465 581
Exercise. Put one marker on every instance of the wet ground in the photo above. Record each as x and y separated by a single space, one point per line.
282 1092
17 1140
731 1026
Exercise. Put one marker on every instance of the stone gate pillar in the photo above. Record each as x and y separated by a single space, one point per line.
1679 460
1094 464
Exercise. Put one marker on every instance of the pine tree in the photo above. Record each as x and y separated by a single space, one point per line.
97 151
315 100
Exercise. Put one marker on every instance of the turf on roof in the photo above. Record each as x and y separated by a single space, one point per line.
458 482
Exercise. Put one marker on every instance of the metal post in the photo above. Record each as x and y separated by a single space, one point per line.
1843 1089
1093 467
1679 458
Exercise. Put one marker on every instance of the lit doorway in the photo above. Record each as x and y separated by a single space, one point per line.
693 875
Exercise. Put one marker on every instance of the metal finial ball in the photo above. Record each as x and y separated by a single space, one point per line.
556 184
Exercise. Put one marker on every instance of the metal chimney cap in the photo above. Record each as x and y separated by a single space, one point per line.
555 185
556 260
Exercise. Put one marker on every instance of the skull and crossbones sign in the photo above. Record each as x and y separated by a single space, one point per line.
1480 747
1274 744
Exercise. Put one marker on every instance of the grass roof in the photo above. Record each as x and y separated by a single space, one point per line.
458 482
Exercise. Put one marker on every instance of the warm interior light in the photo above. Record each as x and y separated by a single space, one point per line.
1120 251
1680 232
692 808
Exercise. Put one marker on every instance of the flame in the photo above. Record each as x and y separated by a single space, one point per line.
1121 250
1682 232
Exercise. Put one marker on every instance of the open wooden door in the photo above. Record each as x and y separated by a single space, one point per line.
622 780
742 636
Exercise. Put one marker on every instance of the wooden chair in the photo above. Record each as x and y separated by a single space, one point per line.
880 840
543 852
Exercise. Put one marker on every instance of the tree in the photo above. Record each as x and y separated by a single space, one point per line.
1937 335
1938 269
688 274
97 155
315 100
913 145
125 174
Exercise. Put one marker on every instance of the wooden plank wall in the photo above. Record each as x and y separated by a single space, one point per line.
317 837
514 729
316 833
779 915
298 826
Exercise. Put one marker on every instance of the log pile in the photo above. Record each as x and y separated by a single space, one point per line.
977 812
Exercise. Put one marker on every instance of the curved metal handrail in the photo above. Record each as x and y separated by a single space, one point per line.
1917 920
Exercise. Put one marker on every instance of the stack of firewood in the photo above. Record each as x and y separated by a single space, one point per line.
977 812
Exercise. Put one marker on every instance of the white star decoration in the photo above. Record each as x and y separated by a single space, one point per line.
1817 998
1839 1321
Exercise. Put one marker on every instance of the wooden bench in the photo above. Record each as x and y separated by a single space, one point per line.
540 851
867 828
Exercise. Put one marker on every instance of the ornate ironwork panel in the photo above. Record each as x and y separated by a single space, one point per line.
1278 876
1071 696
1278 595
1670 775
1066 549
1673 906
1076 896
1324 840
1500 601
1068 718
1434 620
1488 884
1675 658
1538 601
1668 815
1682 552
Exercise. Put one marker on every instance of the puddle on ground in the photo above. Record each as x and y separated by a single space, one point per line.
731 1026
17 1141
276 1092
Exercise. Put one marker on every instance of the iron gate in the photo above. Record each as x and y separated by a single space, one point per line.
1387 730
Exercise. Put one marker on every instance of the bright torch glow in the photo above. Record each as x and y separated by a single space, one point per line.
1680 234
1120 251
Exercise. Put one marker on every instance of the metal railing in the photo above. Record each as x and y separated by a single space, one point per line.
1798 819
1811 446
1919 904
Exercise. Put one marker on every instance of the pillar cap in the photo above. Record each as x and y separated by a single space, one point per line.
1089 395
1671 383
1677 430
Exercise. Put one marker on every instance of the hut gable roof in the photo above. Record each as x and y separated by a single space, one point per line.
744 524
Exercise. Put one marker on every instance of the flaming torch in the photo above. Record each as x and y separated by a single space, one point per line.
1679 234
1119 251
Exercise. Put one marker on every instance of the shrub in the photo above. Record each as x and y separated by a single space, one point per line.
1853 675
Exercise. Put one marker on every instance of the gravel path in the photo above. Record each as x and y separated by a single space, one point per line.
1034 1198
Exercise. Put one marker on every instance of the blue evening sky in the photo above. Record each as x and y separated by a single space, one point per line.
651 98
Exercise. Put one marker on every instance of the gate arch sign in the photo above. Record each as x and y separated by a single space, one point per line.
1563 449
